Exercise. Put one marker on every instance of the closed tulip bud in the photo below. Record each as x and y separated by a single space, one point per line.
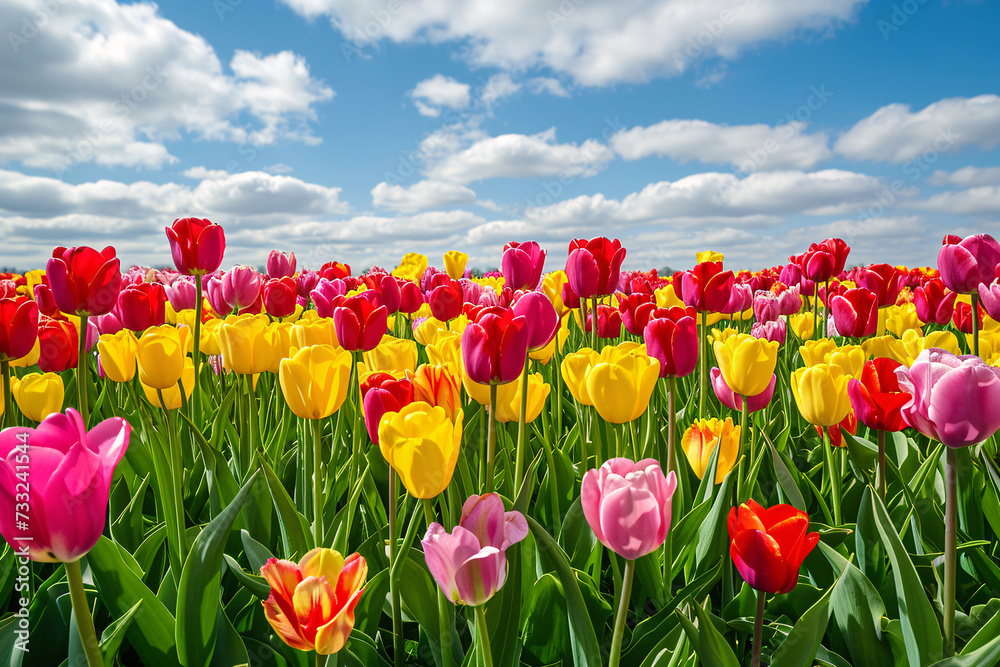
522 265
593 267
38 395
196 245
703 437
360 324
876 396
319 331
494 346
768 545
734 401
666 297
334 270
446 350
68 495
392 354
708 256
740 300
882 280
45 301
855 312
538 392
609 322
621 385
438 386
543 321
422 445
707 288
820 391
671 337
280 297
315 380
18 326
382 393
446 300
628 505
210 337
142 306
387 293
954 397
84 281
962 317
410 297
311 604
281 338
454 263
160 356
747 363
118 355
934 303
969 263
241 287
58 343
248 346
575 369
280 265
801 325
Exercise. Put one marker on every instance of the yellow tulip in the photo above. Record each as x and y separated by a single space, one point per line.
118 352
436 385
989 343
801 325
575 367
422 446
210 337
888 346
544 355
411 267
538 391
454 263
900 319
709 256
392 354
282 333
702 438
666 297
817 351
851 358
552 284
29 359
620 388
428 331
820 391
172 399
447 351
315 380
248 346
169 314
160 354
747 363
314 331
480 393
458 324
38 395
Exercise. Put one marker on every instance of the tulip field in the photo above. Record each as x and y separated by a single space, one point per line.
541 465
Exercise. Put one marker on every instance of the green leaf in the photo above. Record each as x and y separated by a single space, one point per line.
151 632
803 641
988 654
785 479
292 524
545 628
707 641
920 628
198 602
111 638
713 535
257 585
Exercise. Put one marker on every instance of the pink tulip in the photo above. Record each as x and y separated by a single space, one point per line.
541 315
775 330
327 295
989 299
628 505
969 263
280 265
790 301
765 306
109 323
306 282
70 477
593 267
181 294
740 298
956 399
522 265
241 286
734 401
469 564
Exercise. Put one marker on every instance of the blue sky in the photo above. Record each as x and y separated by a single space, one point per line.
753 127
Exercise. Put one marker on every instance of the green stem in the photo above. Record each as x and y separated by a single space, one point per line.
81 372
702 363
411 533
815 309
835 480
484 636
826 311
626 593
671 423
398 650
81 612
521 427
196 353
950 556
491 440
758 629
742 493
593 324
317 433
444 620
881 465
176 486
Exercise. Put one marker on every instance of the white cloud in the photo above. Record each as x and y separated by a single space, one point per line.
896 134
984 199
967 177
498 87
748 147
522 156
439 91
544 84
598 42
112 84
420 196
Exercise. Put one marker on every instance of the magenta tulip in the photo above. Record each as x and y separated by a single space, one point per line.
989 299
955 398
280 265
494 346
181 294
672 338
775 330
84 281
628 505
593 267
541 316
969 263
327 295
360 324
734 401
70 476
522 265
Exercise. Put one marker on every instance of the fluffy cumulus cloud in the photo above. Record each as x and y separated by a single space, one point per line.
430 95
420 196
597 42
967 177
895 133
113 84
747 147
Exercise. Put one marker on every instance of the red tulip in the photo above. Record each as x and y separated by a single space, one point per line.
848 424
609 322
824 260
446 300
541 315
768 545
280 265
962 317
45 301
410 297
280 297
522 265
855 312
83 280
197 245
593 266
58 344
883 280
671 337
18 326
360 325
142 306
636 310
934 302
385 290
877 398
494 345
382 393
570 298
969 263
707 288
334 270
